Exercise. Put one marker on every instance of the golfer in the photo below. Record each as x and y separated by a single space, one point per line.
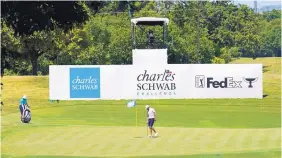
23 105
151 116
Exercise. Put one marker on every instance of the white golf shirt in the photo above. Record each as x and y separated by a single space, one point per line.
151 112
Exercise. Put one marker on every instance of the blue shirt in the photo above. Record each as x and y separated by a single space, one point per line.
23 101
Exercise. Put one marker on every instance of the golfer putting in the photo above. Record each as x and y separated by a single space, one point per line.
151 118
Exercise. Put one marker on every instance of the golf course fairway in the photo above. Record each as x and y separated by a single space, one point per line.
192 128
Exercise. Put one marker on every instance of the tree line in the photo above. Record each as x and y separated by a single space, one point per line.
35 35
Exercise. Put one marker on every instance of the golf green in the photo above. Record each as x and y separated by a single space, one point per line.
196 128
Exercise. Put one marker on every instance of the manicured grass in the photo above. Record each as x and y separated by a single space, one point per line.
188 128
259 154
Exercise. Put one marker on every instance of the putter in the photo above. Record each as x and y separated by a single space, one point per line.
147 129
146 124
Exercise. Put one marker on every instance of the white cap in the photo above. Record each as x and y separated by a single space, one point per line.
24 96
147 106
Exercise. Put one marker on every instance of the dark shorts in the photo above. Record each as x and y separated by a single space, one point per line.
151 122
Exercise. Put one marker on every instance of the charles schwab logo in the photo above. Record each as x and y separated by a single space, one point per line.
156 84
85 82
89 83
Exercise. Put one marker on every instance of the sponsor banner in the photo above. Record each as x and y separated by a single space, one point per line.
149 56
90 82
84 82
164 82
171 81
227 81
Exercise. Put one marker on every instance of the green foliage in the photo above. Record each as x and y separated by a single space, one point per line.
225 54
8 40
198 32
271 38
235 52
10 48
35 22
27 17
217 60
271 15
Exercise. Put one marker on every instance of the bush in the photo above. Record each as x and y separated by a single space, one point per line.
217 60
225 54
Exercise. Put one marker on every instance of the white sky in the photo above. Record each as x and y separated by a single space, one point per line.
260 3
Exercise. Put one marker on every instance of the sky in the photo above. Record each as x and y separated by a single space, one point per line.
260 3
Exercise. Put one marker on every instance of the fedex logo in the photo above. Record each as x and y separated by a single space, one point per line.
209 82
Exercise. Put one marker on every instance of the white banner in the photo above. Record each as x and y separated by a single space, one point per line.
226 81
172 81
149 57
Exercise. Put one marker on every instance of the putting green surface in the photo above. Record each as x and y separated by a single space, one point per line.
130 141
208 128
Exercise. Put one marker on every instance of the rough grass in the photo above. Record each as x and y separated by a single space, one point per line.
188 128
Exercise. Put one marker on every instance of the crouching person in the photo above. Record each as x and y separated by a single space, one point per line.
24 109
26 115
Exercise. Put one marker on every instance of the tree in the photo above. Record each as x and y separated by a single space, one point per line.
98 32
10 47
25 17
34 20
191 42
35 45
271 38
271 15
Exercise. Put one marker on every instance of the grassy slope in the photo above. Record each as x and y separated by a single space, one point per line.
235 113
